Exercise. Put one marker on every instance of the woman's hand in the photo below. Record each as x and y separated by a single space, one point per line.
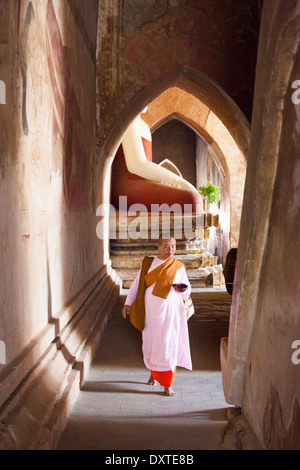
125 311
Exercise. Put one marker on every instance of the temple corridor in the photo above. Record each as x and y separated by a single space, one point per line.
116 117
116 409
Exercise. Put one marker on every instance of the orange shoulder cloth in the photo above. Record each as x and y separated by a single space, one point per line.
163 276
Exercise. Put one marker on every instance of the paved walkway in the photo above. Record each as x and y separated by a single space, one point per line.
117 410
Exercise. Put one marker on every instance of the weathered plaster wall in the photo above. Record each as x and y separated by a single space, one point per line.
272 395
261 376
50 255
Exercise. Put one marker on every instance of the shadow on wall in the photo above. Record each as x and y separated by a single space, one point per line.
53 277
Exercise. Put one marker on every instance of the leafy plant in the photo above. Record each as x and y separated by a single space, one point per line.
210 192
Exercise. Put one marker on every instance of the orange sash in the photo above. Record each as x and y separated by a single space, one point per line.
163 276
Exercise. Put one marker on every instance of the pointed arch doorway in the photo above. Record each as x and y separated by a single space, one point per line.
218 157
219 124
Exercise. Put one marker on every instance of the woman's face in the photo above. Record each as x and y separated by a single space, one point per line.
167 249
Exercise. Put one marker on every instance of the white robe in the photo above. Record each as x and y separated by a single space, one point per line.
165 336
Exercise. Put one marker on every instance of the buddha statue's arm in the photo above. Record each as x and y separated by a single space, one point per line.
137 162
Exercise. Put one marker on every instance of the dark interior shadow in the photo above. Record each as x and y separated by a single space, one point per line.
214 414
117 386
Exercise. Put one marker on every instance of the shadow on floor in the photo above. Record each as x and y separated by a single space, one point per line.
117 410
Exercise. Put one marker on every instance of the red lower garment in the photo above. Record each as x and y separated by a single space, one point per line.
164 378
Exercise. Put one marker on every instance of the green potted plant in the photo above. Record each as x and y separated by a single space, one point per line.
210 193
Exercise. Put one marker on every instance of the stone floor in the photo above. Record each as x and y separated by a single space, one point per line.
117 410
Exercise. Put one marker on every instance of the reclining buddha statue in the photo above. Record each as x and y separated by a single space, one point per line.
136 176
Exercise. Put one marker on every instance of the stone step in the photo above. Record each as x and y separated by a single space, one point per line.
149 251
191 261
211 276
126 256
129 245
212 304
201 283
158 221
147 227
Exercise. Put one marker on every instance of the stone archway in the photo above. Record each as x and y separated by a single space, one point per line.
222 111
231 160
